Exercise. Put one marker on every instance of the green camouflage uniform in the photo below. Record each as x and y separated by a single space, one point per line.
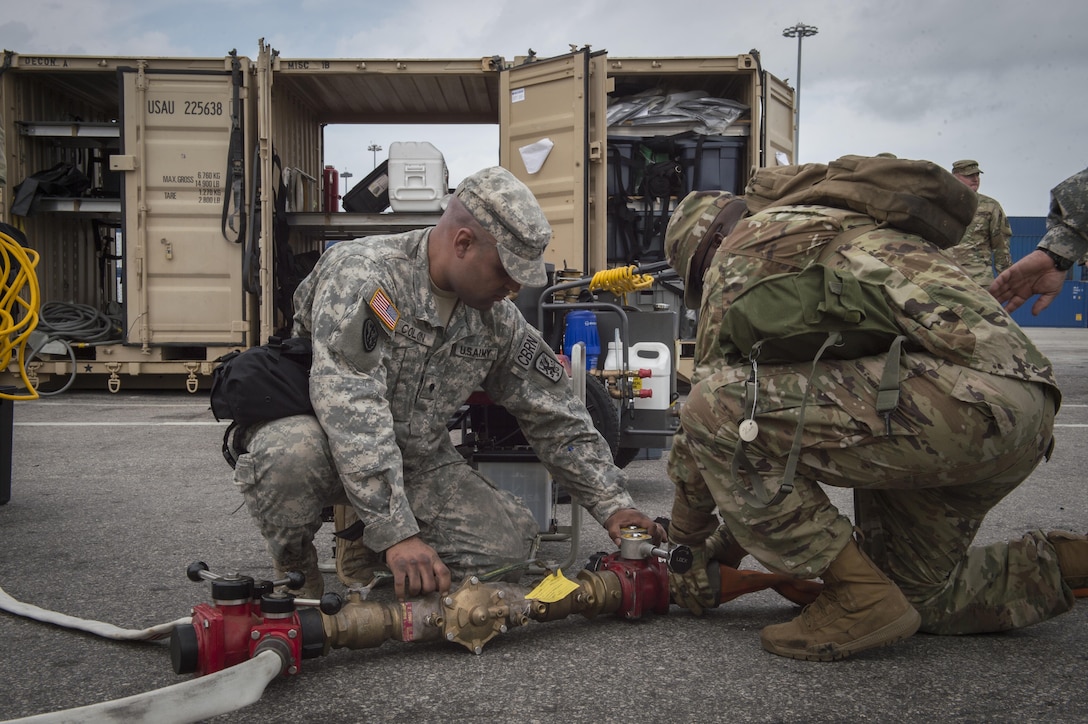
975 416
1067 222
385 379
984 248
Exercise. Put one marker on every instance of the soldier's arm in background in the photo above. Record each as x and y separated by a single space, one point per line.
1065 242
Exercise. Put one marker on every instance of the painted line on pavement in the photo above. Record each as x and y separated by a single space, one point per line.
118 424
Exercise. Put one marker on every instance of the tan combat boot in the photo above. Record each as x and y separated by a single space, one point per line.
355 563
307 565
860 608
1072 550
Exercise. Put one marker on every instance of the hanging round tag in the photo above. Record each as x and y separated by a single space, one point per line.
748 430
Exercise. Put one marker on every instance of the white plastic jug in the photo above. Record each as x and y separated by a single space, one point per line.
654 356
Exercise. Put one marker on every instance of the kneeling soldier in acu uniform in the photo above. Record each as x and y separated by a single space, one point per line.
971 415
405 327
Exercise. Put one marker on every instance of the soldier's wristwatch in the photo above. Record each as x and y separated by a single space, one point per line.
1060 262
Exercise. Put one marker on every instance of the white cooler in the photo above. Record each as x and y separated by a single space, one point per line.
418 177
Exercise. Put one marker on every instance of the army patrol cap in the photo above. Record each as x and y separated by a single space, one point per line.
966 167
689 225
508 210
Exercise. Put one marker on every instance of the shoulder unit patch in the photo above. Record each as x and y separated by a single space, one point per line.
370 335
527 350
549 366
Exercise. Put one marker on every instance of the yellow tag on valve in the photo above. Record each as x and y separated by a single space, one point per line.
554 588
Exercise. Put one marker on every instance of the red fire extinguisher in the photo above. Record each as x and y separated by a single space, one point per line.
331 180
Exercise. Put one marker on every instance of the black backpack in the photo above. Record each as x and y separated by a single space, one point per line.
262 383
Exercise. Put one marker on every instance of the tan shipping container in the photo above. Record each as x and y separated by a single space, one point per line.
188 158
152 250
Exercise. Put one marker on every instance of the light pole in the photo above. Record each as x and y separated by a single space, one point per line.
374 148
799 31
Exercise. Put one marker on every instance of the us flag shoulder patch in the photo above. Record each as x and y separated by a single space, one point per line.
383 308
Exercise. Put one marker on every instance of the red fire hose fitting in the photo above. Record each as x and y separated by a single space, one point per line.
245 618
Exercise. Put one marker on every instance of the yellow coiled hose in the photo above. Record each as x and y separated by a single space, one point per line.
620 281
17 265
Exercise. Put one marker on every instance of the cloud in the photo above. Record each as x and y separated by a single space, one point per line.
995 80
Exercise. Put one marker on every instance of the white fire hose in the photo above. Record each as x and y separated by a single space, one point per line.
105 630
190 701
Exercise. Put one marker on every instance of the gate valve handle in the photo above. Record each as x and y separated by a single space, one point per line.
679 559
292 579
329 604
231 587
197 571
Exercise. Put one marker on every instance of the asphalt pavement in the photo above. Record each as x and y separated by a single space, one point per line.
113 495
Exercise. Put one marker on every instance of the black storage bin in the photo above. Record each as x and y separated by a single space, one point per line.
712 163
371 195
636 222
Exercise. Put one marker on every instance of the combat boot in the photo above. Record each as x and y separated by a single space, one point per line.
1072 550
355 563
860 608
307 565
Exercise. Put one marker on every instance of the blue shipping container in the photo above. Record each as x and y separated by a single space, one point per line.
1067 310
1070 308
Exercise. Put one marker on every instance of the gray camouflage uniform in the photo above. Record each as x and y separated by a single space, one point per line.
385 379
1067 222
975 416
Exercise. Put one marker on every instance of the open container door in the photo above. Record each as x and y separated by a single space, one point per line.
183 206
557 106
776 142
559 103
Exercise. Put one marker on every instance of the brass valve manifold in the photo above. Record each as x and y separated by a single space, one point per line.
472 615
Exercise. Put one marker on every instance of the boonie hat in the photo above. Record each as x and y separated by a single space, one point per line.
966 167
688 226
508 210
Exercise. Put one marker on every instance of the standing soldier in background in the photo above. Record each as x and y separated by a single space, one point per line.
984 249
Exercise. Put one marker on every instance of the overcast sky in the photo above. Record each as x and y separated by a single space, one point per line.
998 81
